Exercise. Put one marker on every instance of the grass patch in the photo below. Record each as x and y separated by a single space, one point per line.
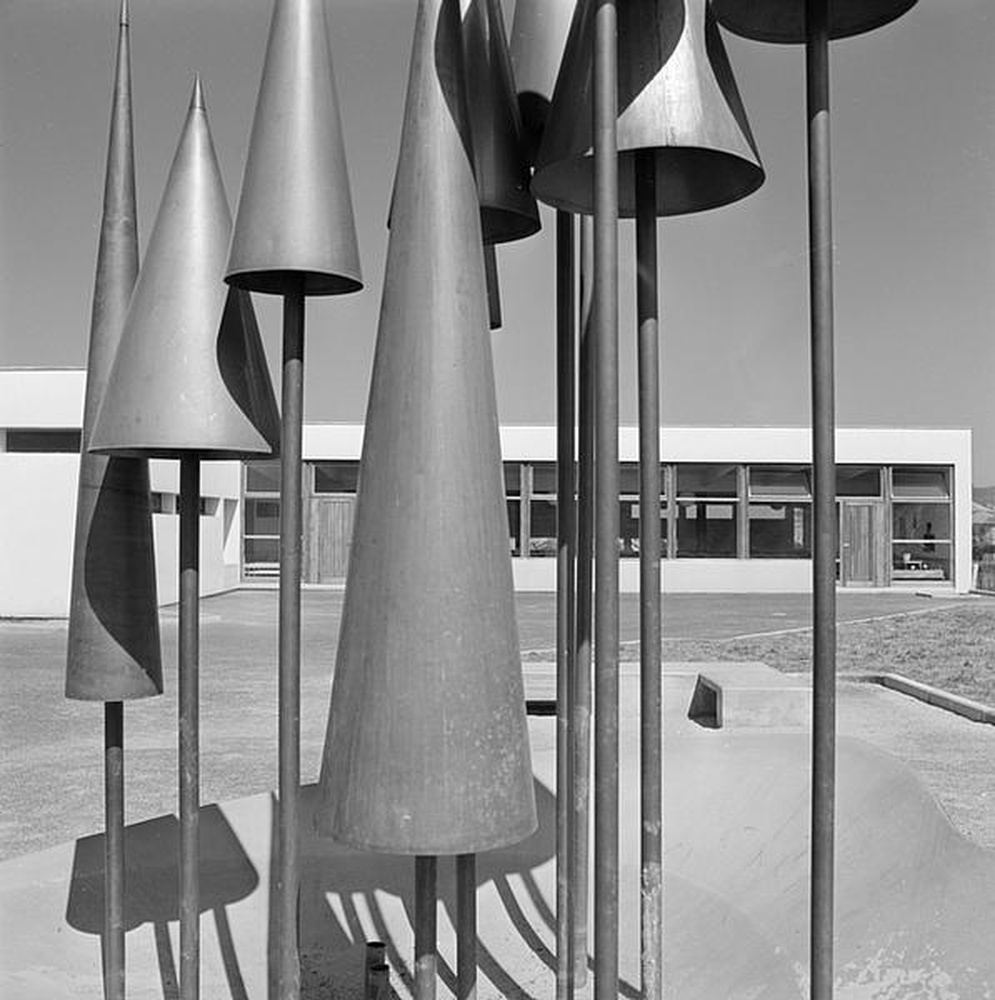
952 648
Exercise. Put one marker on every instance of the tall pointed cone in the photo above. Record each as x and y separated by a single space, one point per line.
113 649
190 373
538 37
508 209
676 97
295 215
784 20
427 747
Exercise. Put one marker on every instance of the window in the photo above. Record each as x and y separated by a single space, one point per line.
858 481
542 510
781 526
44 440
261 543
922 482
336 477
629 514
513 499
921 523
706 525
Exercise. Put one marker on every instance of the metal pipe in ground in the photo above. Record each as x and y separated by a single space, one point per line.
189 727
824 500
466 927
114 961
425 926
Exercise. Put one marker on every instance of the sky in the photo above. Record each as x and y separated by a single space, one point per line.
913 140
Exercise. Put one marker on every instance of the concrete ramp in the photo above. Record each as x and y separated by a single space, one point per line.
915 901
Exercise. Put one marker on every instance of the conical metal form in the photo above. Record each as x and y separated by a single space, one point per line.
295 215
676 97
508 209
190 374
538 37
113 650
784 20
427 747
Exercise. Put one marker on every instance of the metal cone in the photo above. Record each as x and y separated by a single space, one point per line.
508 209
427 747
784 20
295 216
190 373
538 37
113 649
676 96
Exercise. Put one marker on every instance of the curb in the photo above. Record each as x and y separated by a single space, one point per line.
975 711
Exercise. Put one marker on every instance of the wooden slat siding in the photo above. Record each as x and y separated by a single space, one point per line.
329 538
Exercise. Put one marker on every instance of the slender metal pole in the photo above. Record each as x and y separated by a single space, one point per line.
565 637
288 976
425 927
114 850
466 927
824 497
606 511
580 844
650 677
189 709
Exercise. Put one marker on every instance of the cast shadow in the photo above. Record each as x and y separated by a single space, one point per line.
332 941
151 889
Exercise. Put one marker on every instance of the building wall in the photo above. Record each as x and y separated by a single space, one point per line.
38 505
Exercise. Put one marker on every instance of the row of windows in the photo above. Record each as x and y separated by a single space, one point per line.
717 510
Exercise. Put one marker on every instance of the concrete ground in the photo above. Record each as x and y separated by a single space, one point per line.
914 892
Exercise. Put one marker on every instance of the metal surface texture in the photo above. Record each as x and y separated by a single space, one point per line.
426 927
466 927
650 609
605 322
295 213
114 878
676 96
824 517
784 20
508 211
566 544
538 36
427 748
190 375
113 650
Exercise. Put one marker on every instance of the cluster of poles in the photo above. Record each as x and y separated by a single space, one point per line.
602 113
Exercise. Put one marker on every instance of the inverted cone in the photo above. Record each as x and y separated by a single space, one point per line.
427 747
113 649
676 97
508 209
538 36
295 215
190 374
784 20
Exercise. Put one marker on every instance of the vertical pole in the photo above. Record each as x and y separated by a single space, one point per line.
425 929
466 927
580 843
824 501
650 678
565 545
288 976
189 709
606 507
114 850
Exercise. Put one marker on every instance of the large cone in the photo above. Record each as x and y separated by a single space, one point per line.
784 20
295 216
508 209
676 96
538 37
190 374
113 649
427 748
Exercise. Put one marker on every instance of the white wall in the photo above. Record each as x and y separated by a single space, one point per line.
37 522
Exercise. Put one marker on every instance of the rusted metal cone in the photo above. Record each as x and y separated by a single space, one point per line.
676 97
190 375
784 20
113 649
427 747
508 209
538 37
294 220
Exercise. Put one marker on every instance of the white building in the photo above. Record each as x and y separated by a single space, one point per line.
735 505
